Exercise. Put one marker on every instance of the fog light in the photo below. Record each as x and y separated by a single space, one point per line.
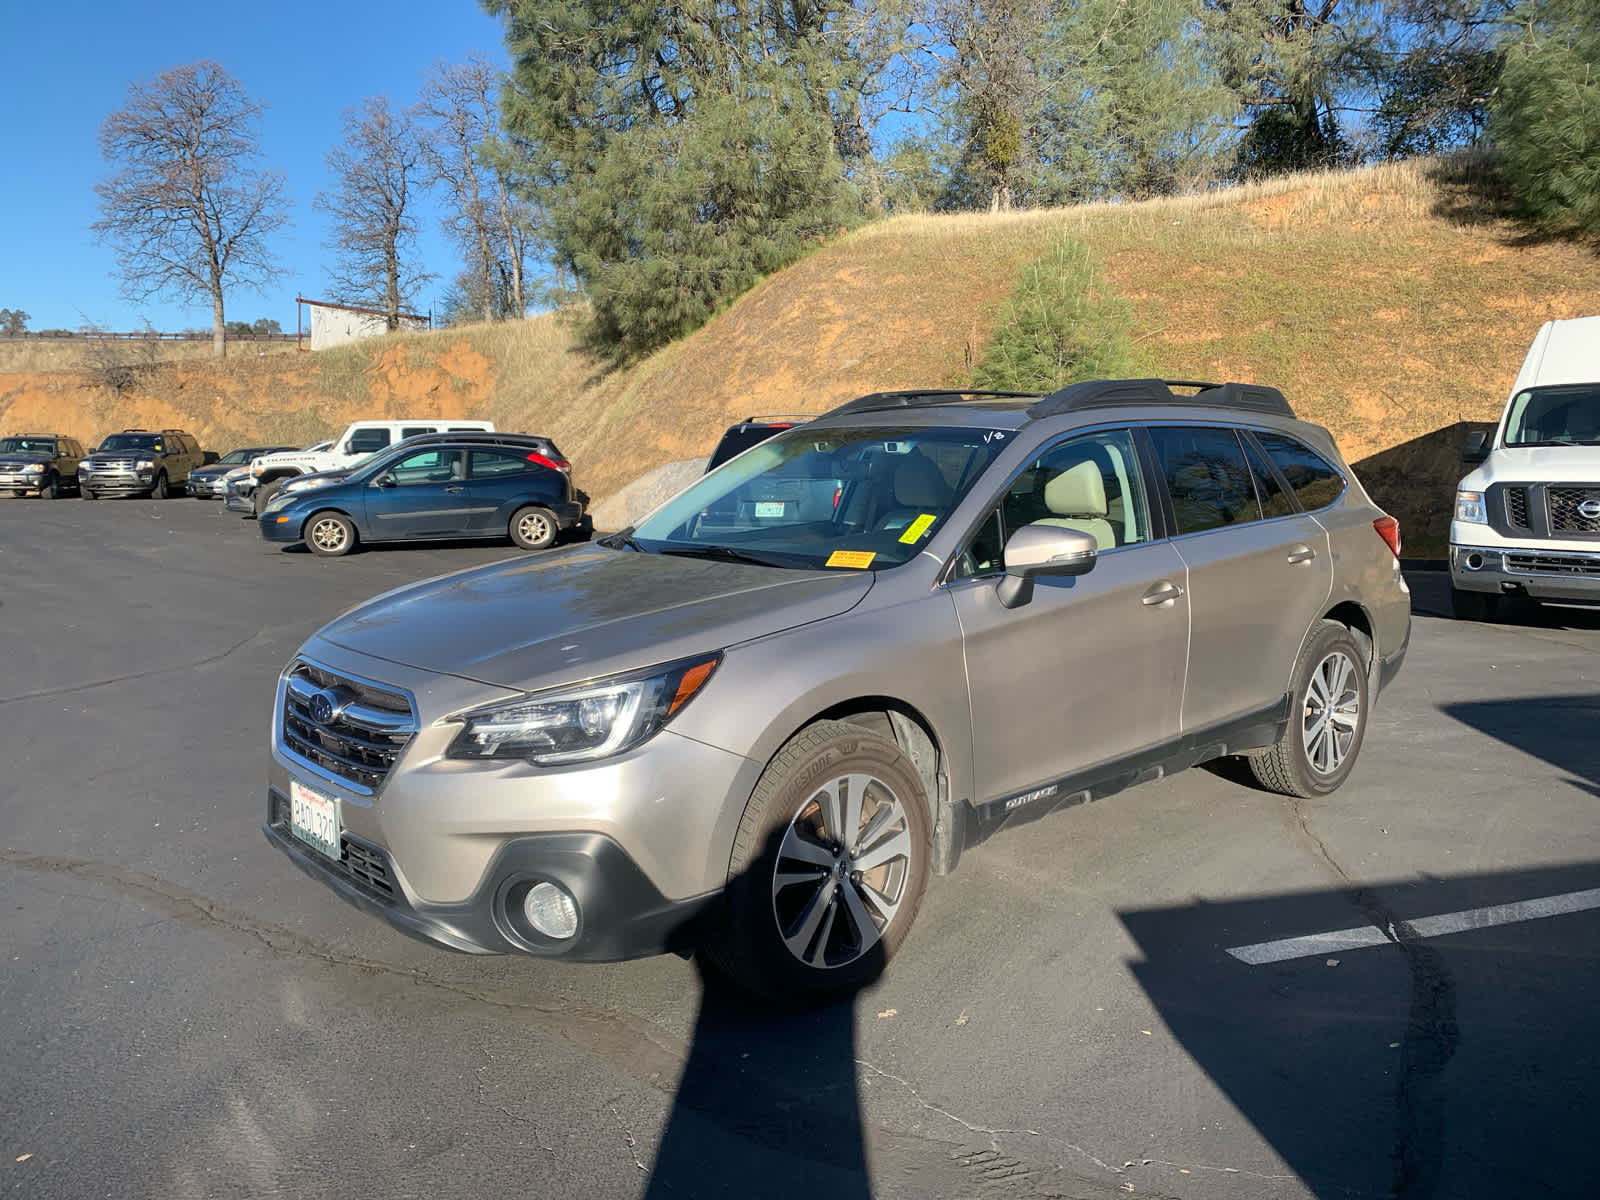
551 911
1474 561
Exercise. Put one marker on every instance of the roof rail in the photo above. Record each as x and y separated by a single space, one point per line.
917 398
1114 393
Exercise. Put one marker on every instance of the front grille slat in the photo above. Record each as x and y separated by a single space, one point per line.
1553 564
1517 506
1564 507
362 739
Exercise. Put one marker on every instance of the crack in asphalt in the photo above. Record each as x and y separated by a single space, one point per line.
1428 1044
170 668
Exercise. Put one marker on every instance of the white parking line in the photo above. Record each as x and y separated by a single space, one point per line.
1341 940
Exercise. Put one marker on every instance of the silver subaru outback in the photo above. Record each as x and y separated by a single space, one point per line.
757 723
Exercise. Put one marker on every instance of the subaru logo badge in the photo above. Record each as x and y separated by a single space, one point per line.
1589 510
325 707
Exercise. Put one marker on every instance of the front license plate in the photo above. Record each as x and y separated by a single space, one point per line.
314 818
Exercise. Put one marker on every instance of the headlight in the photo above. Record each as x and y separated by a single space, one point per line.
32 468
304 485
146 464
592 720
1469 508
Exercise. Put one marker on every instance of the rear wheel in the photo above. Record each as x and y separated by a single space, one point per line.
330 534
1328 720
828 867
533 528
1473 606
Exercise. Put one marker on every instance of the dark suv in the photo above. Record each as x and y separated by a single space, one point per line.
751 431
140 462
42 463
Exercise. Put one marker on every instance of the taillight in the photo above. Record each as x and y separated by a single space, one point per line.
555 464
1389 530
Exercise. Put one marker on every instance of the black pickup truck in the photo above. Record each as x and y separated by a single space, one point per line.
45 464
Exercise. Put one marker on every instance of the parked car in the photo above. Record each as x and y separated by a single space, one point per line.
41 463
206 483
140 462
466 486
359 441
751 431
239 485
762 740
1527 517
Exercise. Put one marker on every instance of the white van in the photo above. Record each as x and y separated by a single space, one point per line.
1527 519
359 439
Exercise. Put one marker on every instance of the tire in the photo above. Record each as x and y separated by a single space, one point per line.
1328 719
263 493
1473 606
330 534
50 489
88 493
158 490
827 928
533 528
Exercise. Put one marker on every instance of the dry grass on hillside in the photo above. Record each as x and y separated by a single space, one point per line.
1380 309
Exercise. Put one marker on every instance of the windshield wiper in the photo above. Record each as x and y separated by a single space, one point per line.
722 553
623 541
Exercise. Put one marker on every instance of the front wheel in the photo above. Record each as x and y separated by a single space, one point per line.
88 493
50 488
533 528
1473 606
1328 720
330 535
828 867
263 493
158 490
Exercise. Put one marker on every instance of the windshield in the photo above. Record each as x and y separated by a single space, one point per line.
132 441
27 445
817 497
1555 416
237 456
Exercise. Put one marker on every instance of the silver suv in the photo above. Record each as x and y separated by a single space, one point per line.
756 723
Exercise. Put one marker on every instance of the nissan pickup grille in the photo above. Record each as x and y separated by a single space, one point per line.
1574 509
1553 564
1517 506
344 727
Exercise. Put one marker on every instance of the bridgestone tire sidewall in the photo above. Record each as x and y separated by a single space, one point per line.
749 948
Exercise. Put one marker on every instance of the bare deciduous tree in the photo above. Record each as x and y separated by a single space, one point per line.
187 210
490 222
374 222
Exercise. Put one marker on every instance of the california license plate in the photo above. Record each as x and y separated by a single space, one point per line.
314 818
769 508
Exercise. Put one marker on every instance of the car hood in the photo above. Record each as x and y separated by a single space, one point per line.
105 456
339 476
17 458
1537 464
572 615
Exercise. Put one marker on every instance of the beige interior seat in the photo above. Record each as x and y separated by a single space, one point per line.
918 487
1076 499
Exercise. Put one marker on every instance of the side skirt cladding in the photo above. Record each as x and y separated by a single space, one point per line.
1251 732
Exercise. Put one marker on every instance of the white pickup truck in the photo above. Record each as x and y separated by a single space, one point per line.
1527 519
359 439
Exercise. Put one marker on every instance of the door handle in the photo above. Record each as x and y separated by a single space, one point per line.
1161 594
1302 554
455 488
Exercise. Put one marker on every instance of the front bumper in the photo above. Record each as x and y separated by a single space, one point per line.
280 527
205 487
117 483
20 482
622 915
1544 574
240 498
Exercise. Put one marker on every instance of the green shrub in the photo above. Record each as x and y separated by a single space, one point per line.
1061 324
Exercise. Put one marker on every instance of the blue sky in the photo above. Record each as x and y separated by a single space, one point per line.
64 67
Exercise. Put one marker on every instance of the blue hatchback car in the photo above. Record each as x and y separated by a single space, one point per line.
462 489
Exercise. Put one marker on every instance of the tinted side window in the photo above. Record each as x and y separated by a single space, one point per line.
1275 502
414 430
1315 481
1207 477
492 464
365 441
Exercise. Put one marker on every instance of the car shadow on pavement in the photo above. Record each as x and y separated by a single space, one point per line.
1558 729
1430 597
1426 1038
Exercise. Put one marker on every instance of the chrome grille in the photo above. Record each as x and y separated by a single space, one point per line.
1565 504
362 731
1553 564
1517 506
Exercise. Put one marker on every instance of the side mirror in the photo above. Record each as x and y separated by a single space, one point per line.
1049 550
385 480
1476 449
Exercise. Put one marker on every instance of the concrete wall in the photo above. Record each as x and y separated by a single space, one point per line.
335 326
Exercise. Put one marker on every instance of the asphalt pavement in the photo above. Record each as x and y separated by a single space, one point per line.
1193 990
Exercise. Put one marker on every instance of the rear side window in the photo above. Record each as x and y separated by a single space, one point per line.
365 441
1316 482
1207 477
492 464
1275 502
414 430
739 439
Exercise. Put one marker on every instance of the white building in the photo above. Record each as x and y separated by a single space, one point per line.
335 324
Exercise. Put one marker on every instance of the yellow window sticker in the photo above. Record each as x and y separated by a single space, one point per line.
851 558
917 528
